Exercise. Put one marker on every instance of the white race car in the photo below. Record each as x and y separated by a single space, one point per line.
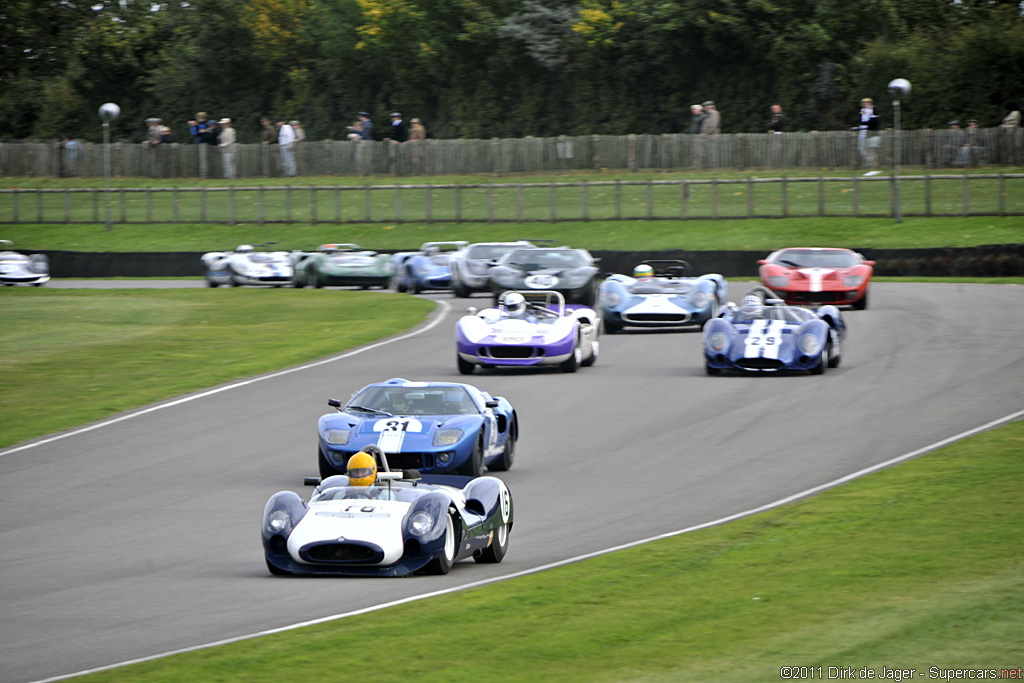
246 266
528 328
19 269
471 265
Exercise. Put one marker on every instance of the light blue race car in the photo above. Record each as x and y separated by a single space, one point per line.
428 268
433 427
660 294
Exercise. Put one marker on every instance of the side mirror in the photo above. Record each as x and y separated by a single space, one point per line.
492 403
311 481
761 261
870 263
334 403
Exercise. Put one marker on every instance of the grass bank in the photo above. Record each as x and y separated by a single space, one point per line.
914 567
99 352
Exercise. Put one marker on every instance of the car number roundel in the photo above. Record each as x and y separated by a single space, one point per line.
764 340
541 281
398 424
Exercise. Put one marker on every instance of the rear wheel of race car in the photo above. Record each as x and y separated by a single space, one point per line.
414 284
326 468
495 552
593 356
442 564
312 280
400 282
277 571
573 361
474 466
861 303
835 355
465 367
611 327
211 283
503 463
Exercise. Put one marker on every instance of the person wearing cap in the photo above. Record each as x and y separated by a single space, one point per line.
697 117
226 143
285 140
398 133
713 119
364 128
867 128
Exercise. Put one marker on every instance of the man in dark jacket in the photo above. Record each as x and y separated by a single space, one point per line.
398 133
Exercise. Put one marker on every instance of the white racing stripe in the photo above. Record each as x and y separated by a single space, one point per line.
561 563
764 340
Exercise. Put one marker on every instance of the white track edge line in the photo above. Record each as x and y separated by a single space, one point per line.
597 553
445 307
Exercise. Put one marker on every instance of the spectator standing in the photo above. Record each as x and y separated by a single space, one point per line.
199 127
166 137
973 152
300 132
697 117
268 134
417 136
712 123
68 147
286 140
152 132
777 124
398 133
1012 118
364 128
867 127
355 131
227 147
955 141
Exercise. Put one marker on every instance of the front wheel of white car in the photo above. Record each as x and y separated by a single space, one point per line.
495 552
442 564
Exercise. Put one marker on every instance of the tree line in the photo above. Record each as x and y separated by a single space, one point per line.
501 68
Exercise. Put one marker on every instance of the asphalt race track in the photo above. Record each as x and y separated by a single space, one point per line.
141 537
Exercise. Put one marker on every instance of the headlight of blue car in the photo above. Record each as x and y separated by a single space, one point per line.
447 437
611 299
337 437
778 281
278 521
718 341
421 523
700 299
809 345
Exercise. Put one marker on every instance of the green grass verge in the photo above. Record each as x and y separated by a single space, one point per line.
99 352
913 567
699 235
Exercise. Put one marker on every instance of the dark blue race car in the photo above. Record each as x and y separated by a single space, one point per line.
433 427
763 334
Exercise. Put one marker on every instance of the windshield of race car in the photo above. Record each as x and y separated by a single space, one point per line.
816 258
377 492
789 314
536 259
394 400
490 252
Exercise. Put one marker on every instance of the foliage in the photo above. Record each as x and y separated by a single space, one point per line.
503 68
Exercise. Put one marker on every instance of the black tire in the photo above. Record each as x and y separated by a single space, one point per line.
313 280
861 303
211 283
822 364
834 359
414 284
589 298
400 282
465 367
234 281
276 571
710 370
297 281
504 463
610 327
442 564
459 290
473 467
592 359
571 363
495 552
326 468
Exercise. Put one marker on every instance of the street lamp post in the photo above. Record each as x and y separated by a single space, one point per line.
108 112
898 88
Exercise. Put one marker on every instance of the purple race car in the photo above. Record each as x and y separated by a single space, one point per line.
528 328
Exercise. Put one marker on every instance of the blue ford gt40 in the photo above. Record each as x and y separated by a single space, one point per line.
400 523
764 334
433 427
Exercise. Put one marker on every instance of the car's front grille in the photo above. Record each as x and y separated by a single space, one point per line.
816 297
342 552
759 363
656 317
509 352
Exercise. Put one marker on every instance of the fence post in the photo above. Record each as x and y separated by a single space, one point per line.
124 207
966 196
312 204
856 197
586 201
821 195
202 204
750 197
259 203
174 204
631 163
67 206
490 202
458 203
928 194
554 202
398 203
650 198
367 205
149 205
618 199
203 168
785 197
231 205
337 204
429 201
930 161
519 202
684 193
714 198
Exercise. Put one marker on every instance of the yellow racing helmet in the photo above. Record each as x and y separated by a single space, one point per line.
362 469
643 270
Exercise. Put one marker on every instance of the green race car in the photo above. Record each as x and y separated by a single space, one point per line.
342 265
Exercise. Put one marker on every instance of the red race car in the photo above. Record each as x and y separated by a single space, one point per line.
816 276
